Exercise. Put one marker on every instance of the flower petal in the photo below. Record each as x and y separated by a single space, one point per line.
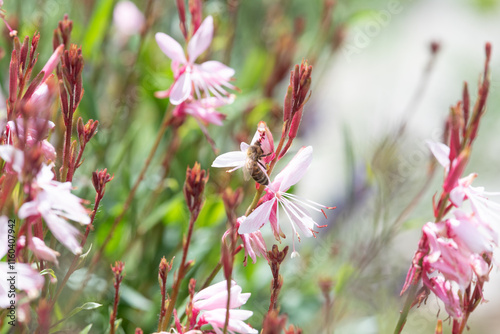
162 94
13 156
170 47
29 280
52 62
441 152
63 231
219 300
217 318
40 249
257 218
181 89
212 290
230 159
216 68
295 169
201 39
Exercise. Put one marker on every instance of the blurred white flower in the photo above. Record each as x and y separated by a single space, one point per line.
127 18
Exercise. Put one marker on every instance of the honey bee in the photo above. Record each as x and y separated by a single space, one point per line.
253 167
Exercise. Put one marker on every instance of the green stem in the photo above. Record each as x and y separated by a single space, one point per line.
128 201
406 309
180 276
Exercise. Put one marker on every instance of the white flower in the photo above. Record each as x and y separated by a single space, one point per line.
210 77
27 279
293 206
55 203
212 301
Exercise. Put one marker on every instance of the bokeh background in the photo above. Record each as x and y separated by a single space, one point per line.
378 93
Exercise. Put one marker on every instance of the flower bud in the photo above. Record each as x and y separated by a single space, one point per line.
90 129
195 8
193 188
182 17
164 269
99 180
457 168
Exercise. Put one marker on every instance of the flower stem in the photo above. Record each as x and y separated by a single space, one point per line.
67 143
180 275
228 303
74 263
128 201
406 309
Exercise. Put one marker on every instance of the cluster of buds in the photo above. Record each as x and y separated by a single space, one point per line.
459 249
232 200
296 96
44 203
196 178
274 323
276 257
62 33
99 180
28 111
71 89
71 92
163 270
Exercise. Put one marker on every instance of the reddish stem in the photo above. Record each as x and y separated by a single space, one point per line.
180 274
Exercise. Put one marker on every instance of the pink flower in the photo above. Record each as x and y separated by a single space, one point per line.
204 109
237 159
486 212
14 159
470 233
454 168
448 293
452 262
27 279
36 131
51 64
127 18
55 203
210 77
484 209
40 249
212 302
253 243
293 206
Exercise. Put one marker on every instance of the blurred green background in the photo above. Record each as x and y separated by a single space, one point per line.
369 78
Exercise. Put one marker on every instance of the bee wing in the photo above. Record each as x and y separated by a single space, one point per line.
246 173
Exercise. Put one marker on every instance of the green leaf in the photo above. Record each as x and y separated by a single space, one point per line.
344 275
48 272
97 28
85 307
133 297
117 323
86 329
82 258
